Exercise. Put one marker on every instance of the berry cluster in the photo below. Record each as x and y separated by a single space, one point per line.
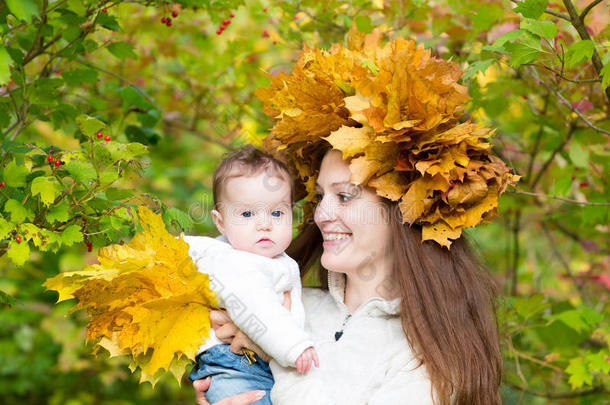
168 20
52 161
2 184
100 135
224 25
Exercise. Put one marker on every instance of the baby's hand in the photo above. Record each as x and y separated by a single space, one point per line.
305 359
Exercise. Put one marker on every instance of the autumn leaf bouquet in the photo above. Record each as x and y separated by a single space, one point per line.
397 114
145 300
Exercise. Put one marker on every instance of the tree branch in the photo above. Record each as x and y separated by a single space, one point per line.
552 157
565 102
578 23
569 200
558 73
588 8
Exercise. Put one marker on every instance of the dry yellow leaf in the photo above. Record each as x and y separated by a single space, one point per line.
145 300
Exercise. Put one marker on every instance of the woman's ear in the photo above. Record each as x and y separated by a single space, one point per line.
217 218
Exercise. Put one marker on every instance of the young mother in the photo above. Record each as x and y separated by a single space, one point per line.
405 314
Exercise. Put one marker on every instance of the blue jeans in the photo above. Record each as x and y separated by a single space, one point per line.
232 374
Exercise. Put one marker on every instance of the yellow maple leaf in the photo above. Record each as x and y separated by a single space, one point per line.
145 300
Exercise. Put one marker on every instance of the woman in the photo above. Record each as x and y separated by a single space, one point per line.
399 293
405 314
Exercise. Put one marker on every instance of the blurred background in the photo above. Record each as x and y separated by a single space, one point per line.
105 105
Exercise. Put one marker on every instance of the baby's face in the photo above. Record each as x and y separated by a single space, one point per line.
255 214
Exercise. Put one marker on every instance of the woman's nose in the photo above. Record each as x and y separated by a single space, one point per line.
324 211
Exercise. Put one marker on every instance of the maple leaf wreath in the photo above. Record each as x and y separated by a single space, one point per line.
394 112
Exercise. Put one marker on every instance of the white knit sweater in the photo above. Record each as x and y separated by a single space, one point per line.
371 363
251 288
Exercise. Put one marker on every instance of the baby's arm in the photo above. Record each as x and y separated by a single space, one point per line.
306 358
251 302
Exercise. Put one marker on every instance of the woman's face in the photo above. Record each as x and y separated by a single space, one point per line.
353 221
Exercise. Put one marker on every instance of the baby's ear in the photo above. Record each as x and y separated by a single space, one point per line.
217 218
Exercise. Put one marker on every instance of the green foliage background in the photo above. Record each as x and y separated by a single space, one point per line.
174 99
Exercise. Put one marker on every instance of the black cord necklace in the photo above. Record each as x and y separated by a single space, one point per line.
340 333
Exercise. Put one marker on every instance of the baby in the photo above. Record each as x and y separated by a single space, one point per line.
249 272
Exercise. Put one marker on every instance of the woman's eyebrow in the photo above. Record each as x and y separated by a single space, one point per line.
333 185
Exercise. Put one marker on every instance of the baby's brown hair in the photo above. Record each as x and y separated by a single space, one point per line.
248 161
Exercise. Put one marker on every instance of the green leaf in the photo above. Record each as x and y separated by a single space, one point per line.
5 63
478 66
81 170
122 50
89 126
579 155
521 54
582 319
599 361
59 213
121 151
47 187
544 29
23 9
14 174
79 76
509 37
175 216
19 253
531 8
18 211
579 373
579 52
6 301
5 228
528 307
108 22
364 24
71 235
77 6
31 232
115 194
486 15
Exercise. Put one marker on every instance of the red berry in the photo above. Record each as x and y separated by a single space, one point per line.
89 246
226 22
222 28
169 22
100 134
573 178
295 18
57 163
2 184
104 10
18 239
232 15
50 158
583 184
174 14
265 34
163 20
218 31
107 138
265 10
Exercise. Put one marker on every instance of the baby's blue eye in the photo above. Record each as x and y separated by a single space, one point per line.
246 214
276 213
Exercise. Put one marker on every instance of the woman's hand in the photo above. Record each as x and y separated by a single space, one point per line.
201 386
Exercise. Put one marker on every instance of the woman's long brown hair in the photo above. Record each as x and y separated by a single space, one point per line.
447 309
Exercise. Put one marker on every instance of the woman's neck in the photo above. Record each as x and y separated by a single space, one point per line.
366 284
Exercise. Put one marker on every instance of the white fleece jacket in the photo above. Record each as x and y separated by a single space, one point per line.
371 363
251 288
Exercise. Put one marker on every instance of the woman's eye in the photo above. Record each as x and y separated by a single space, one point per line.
344 197
276 213
246 214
